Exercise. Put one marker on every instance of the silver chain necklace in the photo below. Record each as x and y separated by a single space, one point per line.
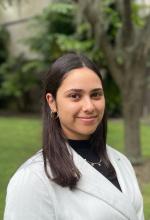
99 163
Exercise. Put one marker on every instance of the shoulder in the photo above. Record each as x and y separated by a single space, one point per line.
28 190
118 156
30 172
35 162
115 153
121 162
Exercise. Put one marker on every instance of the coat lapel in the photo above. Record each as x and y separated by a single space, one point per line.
95 184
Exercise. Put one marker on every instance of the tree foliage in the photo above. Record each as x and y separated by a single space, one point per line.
61 33
58 33
127 56
20 83
115 36
4 42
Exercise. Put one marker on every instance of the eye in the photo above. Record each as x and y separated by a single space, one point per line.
75 96
97 95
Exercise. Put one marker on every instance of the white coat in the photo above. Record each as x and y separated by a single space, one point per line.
32 196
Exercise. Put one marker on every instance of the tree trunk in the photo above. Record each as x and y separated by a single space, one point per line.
132 47
132 136
132 100
146 106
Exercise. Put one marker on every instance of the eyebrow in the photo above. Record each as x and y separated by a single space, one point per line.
81 90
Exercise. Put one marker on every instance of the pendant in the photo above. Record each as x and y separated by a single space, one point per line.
94 163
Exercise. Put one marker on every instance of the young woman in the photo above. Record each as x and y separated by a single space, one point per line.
76 176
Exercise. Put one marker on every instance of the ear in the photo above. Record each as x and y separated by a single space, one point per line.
51 102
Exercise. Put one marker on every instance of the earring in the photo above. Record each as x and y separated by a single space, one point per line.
54 115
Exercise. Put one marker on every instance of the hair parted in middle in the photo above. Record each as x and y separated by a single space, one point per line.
55 151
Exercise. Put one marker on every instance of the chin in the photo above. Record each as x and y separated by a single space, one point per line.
89 133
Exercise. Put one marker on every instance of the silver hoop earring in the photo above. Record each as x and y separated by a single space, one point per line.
54 115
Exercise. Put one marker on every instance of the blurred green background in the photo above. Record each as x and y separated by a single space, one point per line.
34 33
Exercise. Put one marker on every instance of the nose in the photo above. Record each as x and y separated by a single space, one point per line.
88 105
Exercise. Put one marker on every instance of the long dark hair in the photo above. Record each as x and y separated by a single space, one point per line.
55 151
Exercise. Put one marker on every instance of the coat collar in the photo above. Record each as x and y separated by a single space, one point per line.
95 184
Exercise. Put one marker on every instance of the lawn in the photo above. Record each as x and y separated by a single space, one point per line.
20 137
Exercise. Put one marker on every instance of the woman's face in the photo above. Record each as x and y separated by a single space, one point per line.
79 103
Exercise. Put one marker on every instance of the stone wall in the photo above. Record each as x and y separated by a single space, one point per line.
16 19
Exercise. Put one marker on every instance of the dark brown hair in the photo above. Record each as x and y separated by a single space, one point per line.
55 151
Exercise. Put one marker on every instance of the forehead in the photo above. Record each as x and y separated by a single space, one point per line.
81 78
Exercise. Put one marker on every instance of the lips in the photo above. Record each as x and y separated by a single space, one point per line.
85 117
88 120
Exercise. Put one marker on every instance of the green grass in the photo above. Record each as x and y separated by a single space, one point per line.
115 134
20 138
146 196
116 137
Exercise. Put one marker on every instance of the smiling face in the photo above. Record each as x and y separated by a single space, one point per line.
80 103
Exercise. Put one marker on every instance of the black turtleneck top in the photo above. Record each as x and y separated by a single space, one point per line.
83 147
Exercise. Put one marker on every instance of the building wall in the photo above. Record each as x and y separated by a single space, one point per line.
147 2
17 18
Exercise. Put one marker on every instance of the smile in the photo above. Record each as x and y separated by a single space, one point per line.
91 117
88 120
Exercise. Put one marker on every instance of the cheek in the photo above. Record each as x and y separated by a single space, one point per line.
101 108
101 105
66 108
